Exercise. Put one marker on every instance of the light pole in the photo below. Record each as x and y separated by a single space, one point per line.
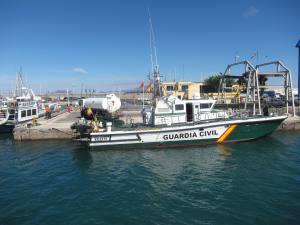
298 46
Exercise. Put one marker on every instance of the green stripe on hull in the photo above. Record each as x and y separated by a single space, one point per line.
253 130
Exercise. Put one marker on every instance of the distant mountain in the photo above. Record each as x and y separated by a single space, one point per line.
61 91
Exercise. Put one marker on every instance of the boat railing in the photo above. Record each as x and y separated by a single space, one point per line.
278 111
204 116
3 114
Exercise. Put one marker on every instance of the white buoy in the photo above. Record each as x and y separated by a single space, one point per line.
108 126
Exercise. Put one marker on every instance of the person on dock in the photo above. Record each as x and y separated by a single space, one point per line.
47 112
266 110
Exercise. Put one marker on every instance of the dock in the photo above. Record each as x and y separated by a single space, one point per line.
58 127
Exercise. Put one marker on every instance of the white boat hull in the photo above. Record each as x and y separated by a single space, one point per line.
188 135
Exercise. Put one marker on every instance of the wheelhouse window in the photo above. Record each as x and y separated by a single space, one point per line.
184 87
205 105
179 107
29 112
34 112
23 113
170 88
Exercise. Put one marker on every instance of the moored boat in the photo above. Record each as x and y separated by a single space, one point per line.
17 112
172 122
230 130
24 107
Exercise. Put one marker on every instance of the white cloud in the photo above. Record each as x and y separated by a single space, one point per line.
79 70
251 11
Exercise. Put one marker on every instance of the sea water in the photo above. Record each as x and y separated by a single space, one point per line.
60 182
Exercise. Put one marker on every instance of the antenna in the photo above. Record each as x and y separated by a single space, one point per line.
236 57
183 72
152 39
175 73
155 67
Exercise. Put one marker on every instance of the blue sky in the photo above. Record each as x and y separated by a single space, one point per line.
105 44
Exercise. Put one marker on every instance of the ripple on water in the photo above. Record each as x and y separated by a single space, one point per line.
62 183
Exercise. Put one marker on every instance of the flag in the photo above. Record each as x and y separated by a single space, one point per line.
149 88
142 85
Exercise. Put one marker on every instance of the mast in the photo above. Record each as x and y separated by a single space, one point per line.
298 46
154 62
19 83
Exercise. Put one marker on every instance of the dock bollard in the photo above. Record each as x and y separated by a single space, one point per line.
108 126
33 121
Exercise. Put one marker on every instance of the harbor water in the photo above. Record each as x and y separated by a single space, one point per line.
60 182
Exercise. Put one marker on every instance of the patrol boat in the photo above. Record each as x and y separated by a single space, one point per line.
172 122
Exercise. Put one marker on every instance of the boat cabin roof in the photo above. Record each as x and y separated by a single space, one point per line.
173 104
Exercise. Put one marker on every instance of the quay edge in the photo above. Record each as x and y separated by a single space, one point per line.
292 123
57 128
33 134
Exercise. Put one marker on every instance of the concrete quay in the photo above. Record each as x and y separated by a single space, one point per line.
290 124
58 127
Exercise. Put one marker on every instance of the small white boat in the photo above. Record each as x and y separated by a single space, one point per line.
22 108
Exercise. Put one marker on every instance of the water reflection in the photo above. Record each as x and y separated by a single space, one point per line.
169 165
82 157
224 150
5 140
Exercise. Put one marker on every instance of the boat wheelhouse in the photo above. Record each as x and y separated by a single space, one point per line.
171 110
26 110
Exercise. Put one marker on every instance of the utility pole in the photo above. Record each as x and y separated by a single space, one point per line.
183 72
68 97
298 46
236 58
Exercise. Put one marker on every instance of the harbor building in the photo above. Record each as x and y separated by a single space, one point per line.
181 89
191 90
